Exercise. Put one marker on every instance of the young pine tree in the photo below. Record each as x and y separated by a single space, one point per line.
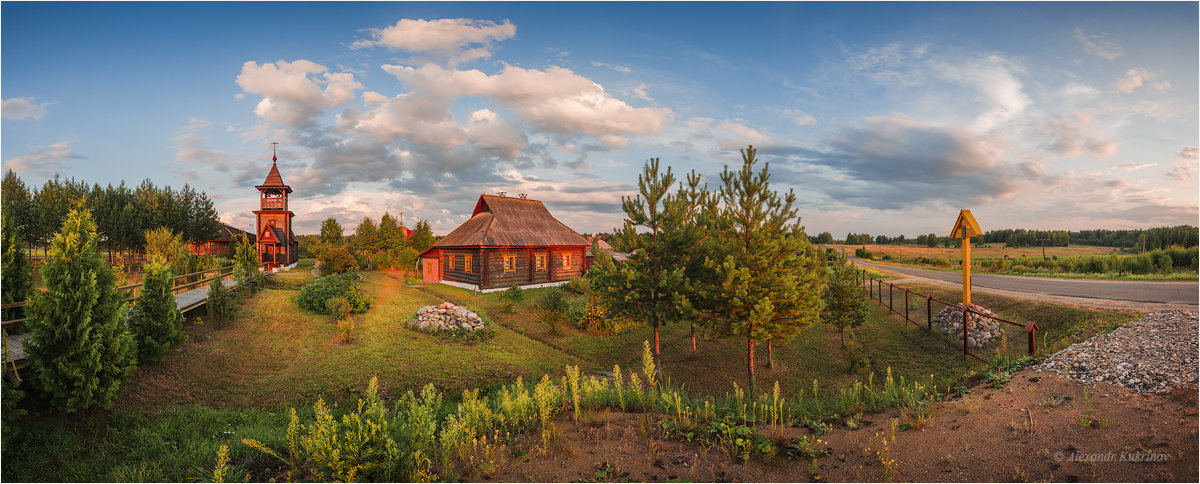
157 324
845 301
652 286
246 262
331 232
768 278
78 353
17 276
220 303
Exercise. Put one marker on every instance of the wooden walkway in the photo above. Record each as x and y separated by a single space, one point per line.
185 301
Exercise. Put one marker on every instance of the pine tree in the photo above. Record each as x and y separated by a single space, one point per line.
768 279
17 273
422 238
331 232
156 322
845 301
219 304
366 236
246 262
391 234
652 286
78 353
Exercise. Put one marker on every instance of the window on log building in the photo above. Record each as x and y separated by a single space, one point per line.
510 263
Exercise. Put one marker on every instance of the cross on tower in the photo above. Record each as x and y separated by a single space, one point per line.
273 158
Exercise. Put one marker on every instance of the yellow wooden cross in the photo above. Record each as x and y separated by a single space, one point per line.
965 228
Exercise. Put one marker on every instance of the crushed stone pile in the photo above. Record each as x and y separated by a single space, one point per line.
1150 355
981 329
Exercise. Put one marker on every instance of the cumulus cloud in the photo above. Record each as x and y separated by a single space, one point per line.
995 77
640 93
891 163
1097 45
43 160
292 92
454 40
1133 79
1185 164
1075 134
23 108
799 117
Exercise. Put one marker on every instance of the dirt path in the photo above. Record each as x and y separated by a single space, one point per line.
1145 296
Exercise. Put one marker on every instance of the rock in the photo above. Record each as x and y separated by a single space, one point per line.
971 342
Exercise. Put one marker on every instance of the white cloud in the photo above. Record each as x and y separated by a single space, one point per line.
732 134
450 39
1133 79
1162 86
995 77
616 67
1072 135
1075 89
1185 164
640 93
1097 45
291 91
23 108
191 147
42 160
799 117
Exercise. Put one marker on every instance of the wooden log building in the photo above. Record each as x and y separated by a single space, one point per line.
507 241
220 246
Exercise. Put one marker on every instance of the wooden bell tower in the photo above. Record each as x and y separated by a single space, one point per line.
277 245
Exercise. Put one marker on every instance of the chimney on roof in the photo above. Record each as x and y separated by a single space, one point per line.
523 195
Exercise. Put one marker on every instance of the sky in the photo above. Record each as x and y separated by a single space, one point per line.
884 118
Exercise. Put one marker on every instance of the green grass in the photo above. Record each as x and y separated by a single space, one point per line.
237 381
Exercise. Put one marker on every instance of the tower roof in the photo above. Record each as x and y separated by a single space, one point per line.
274 180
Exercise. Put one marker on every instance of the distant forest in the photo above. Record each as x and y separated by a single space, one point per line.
1185 236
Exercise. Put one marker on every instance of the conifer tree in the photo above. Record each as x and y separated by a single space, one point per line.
768 279
17 273
845 300
422 238
391 234
652 286
331 232
219 304
366 236
246 262
156 322
78 353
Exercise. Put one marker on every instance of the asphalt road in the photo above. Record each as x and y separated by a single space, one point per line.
1154 292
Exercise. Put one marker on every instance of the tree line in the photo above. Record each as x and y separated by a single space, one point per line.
383 245
1185 236
122 214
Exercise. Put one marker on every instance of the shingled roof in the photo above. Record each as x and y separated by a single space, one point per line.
274 179
511 222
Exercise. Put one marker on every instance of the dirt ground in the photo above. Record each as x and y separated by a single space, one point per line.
1039 427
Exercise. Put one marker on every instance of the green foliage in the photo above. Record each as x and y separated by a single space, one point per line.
382 260
551 310
578 285
511 297
845 300
246 263
10 401
78 353
331 232
391 233
863 253
404 258
166 246
366 236
339 307
337 260
316 295
220 304
422 238
156 322
16 279
759 233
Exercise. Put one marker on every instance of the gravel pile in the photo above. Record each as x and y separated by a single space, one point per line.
447 317
981 328
1149 355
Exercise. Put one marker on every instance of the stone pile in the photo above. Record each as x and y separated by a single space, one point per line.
447 317
1150 355
981 328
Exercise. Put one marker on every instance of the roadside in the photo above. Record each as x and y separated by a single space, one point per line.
1144 296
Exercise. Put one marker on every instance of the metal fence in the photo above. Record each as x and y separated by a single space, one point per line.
911 305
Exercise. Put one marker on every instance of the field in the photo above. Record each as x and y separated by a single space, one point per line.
238 381
993 250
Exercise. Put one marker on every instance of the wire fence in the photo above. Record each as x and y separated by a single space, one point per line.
918 309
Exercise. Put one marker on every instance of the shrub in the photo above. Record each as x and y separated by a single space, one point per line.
246 261
79 354
578 285
551 310
576 312
316 295
382 260
510 298
339 307
338 260
156 322
863 253
405 258
220 304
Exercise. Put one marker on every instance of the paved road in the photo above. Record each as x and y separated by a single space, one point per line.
1153 292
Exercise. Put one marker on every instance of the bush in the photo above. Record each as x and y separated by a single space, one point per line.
510 297
220 304
382 260
863 253
79 354
338 260
404 259
579 285
246 261
156 322
576 312
316 295
552 309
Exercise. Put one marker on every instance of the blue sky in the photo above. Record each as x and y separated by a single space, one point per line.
883 117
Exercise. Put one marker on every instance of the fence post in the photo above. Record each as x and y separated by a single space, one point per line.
965 325
890 287
906 321
1031 329
929 312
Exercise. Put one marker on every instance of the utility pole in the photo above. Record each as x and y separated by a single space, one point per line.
1043 241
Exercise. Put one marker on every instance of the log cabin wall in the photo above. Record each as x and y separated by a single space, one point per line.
460 272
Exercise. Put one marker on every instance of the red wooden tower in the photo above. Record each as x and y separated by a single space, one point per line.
277 245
